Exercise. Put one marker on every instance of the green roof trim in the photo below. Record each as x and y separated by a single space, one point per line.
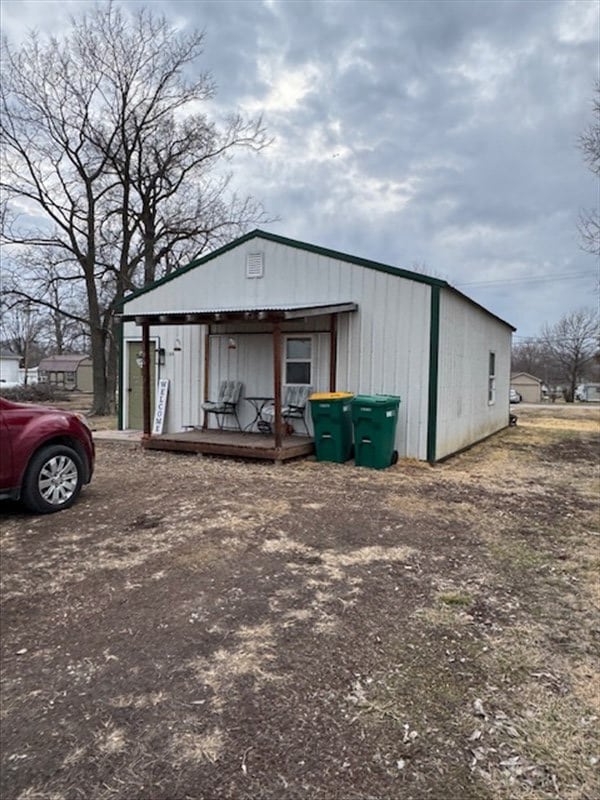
434 349
309 248
121 382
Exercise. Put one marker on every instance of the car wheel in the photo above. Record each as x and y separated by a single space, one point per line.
53 479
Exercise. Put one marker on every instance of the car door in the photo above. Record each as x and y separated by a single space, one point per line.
7 478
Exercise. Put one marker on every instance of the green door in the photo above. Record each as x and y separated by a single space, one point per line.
135 409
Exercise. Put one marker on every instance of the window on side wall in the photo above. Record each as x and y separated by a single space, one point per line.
492 379
298 360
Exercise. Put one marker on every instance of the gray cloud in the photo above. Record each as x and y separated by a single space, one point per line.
436 132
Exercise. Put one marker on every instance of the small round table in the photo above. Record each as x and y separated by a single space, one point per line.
258 404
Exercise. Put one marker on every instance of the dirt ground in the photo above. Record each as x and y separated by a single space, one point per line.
199 628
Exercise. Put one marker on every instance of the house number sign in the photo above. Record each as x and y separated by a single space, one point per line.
161 405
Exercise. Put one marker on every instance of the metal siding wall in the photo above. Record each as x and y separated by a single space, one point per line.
291 276
252 363
320 377
184 369
382 348
467 336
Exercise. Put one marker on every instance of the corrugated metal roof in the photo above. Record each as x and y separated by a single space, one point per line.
243 309
288 310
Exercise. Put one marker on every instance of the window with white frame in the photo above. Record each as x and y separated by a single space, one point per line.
298 360
492 379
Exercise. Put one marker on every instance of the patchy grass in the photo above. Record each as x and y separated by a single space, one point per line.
210 628
455 598
198 747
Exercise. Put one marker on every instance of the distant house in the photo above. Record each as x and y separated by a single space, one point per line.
9 368
68 371
588 393
528 386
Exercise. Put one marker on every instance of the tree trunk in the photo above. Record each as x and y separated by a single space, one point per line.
149 234
101 406
112 364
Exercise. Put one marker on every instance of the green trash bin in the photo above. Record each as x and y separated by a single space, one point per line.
374 418
332 422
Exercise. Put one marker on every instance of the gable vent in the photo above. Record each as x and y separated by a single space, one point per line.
255 265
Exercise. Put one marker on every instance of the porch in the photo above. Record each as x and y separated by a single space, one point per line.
232 443
241 325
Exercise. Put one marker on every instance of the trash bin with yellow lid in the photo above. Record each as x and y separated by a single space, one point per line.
375 418
332 421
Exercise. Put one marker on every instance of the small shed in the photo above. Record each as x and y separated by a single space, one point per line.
70 371
9 368
528 386
254 309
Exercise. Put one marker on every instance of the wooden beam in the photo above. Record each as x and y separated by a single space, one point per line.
277 383
146 378
206 371
332 352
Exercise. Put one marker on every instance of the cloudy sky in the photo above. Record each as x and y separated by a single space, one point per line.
437 135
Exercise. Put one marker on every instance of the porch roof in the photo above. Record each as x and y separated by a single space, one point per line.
270 313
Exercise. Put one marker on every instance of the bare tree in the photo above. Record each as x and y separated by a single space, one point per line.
21 332
42 279
570 343
589 142
530 357
108 165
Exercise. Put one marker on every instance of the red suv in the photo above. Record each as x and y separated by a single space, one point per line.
46 455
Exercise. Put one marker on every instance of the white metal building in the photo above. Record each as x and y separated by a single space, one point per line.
9 368
265 307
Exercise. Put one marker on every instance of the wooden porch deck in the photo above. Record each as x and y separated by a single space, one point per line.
232 443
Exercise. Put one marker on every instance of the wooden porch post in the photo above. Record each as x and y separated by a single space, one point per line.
332 352
206 371
146 378
277 382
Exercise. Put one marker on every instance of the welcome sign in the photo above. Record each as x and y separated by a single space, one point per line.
161 405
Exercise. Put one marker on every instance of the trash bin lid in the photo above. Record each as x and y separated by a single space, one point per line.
331 396
375 400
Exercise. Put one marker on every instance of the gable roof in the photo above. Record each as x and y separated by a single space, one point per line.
309 248
525 375
67 362
7 355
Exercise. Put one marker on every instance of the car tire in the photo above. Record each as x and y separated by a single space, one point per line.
53 479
